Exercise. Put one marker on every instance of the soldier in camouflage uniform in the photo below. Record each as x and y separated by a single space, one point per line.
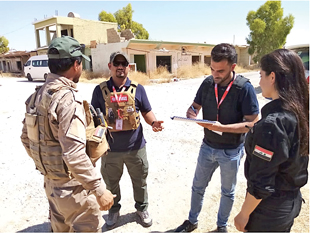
54 136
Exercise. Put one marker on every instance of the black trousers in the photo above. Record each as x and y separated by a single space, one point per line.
276 213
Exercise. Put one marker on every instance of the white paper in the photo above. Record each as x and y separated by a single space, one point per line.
177 118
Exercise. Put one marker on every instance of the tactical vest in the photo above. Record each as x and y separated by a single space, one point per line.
45 149
121 115
229 111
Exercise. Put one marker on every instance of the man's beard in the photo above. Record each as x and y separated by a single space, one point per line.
120 74
224 79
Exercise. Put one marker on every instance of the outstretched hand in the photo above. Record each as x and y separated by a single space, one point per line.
157 126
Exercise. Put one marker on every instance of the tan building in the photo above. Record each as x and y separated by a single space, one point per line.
87 32
243 58
102 38
83 30
13 61
147 55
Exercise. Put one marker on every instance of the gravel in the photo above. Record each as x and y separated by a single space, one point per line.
172 156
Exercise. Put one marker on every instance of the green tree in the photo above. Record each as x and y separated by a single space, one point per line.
139 31
123 17
106 17
268 29
3 45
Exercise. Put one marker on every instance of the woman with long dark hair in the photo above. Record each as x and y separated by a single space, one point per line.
277 147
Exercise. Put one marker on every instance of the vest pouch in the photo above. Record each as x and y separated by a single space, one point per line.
96 143
122 104
35 154
132 120
32 127
125 109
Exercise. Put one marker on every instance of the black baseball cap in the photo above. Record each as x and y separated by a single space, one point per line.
113 56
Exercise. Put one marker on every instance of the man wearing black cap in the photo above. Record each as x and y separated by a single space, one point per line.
121 99
54 137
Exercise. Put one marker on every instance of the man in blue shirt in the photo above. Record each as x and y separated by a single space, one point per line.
230 101
121 100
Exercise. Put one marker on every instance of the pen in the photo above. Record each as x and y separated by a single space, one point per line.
192 107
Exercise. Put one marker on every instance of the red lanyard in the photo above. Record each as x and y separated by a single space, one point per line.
118 99
223 97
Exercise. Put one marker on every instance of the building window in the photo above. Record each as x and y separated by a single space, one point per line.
164 61
195 59
64 32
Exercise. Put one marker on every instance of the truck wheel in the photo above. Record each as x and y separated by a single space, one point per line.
29 77
45 77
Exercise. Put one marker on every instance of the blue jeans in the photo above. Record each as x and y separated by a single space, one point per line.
208 160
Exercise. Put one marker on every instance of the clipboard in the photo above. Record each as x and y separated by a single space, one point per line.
177 118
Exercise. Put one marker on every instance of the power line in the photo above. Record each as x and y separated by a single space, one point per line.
16 30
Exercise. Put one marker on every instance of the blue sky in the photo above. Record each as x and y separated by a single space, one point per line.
212 22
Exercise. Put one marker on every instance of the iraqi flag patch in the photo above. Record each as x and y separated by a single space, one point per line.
263 153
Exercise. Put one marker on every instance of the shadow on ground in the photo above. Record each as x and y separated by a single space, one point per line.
34 81
44 227
123 220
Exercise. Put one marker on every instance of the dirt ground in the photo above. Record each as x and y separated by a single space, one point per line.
172 156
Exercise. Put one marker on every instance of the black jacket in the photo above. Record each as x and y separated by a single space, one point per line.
273 163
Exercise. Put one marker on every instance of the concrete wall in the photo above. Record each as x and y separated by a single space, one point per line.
244 58
3 67
127 34
83 30
113 36
179 57
101 55
11 65
88 30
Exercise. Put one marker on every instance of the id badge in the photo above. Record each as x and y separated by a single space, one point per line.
119 124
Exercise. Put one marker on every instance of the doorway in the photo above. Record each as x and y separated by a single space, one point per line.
140 62
195 59
164 61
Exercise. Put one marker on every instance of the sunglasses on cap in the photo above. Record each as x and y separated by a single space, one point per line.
82 46
123 63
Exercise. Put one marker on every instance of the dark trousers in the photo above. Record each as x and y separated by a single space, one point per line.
276 213
137 165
